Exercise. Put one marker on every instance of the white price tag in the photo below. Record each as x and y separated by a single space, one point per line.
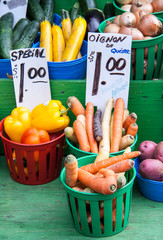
17 7
30 76
108 67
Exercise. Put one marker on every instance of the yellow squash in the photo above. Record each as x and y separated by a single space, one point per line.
58 43
75 40
46 39
66 25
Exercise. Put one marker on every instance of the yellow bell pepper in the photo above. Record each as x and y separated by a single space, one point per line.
17 122
51 117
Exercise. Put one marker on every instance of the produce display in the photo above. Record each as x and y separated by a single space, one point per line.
151 157
41 125
110 133
150 6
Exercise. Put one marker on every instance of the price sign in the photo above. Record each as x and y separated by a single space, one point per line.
108 67
17 7
30 76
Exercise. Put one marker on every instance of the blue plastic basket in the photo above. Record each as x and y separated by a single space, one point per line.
75 69
150 189
5 64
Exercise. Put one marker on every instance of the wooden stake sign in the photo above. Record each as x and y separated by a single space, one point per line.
108 67
30 76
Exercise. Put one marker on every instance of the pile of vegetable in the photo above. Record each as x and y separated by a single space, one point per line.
41 125
104 177
151 160
139 25
63 44
112 132
21 36
149 6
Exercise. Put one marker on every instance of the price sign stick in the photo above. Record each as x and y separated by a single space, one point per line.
97 73
21 86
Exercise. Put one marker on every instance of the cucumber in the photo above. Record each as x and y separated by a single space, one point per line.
6 24
109 10
48 8
28 36
35 11
85 5
18 29
74 12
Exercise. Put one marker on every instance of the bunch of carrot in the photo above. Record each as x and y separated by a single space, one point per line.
101 177
106 133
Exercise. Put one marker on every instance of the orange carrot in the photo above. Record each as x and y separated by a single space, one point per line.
71 170
75 105
126 114
106 185
122 166
96 166
101 213
117 124
130 119
89 127
132 129
81 135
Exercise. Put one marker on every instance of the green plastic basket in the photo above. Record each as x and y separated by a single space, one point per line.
154 61
78 153
119 11
80 203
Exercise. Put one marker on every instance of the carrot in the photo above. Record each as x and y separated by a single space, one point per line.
75 105
89 127
96 166
81 118
132 129
106 185
122 166
97 125
111 127
123 132
104 147
126 141
126 114
117 124
101 213
127 150
70 134
71 170
121 181
81 135
130 119
78 189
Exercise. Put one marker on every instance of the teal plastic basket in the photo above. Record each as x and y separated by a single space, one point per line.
154 60
78 153
81 204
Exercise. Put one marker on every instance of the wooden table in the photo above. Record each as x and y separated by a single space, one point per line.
41 212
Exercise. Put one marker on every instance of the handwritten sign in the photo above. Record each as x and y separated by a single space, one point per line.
30 76
108 67
17 7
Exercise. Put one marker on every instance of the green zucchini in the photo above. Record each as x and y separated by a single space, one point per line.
74 12
109 10
35 11
18 29
6 25
48 8
28 36
85 5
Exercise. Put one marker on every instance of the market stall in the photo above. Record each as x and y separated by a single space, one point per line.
42 211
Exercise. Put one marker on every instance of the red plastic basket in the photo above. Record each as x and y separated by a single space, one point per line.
27 170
